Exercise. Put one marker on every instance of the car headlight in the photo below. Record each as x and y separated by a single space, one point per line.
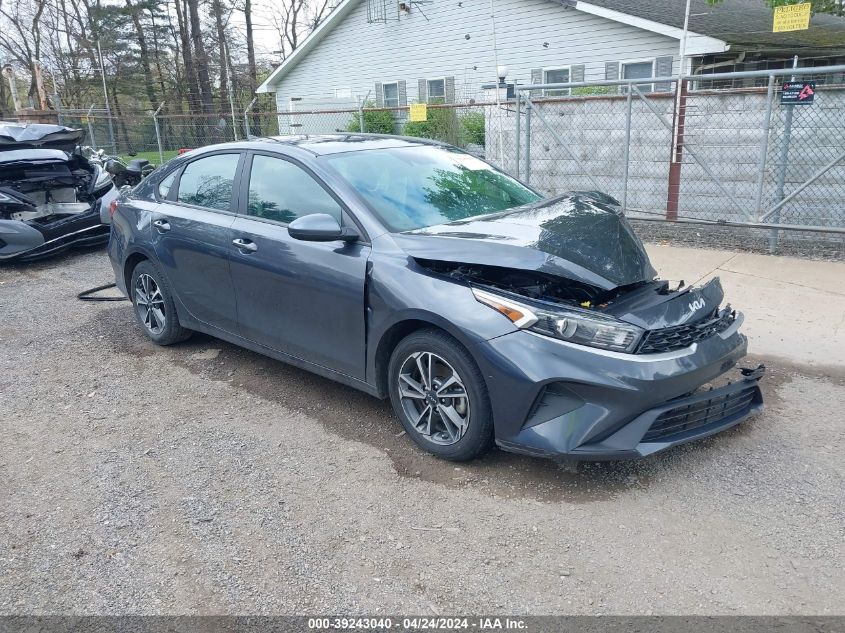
103 179
567 324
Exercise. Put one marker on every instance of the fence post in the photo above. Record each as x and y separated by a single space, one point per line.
528 107
518 137
158 134
782 164
91 127
677 156
628 104
764 149
57 103
246 118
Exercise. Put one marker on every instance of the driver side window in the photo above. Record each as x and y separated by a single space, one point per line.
282 191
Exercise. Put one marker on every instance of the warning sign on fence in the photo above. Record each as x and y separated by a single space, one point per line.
419 112
792 17
798 92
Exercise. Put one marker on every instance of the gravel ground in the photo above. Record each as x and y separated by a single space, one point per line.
203 478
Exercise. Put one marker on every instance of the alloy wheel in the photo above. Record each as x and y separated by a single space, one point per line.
434 398
149 304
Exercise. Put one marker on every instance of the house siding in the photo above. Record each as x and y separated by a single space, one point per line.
356 55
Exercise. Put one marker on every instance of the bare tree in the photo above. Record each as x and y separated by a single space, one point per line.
293 20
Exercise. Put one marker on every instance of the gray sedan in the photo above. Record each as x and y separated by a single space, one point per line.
417 272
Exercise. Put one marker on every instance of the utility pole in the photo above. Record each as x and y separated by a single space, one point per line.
498 98
225 63
106 96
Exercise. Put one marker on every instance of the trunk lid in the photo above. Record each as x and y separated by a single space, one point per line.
16 136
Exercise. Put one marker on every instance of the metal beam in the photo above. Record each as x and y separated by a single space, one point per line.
565 147
700 162
804 185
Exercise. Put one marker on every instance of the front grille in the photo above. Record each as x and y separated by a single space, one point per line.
681 336
699 414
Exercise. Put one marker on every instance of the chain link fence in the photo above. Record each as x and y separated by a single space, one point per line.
736 156
723 151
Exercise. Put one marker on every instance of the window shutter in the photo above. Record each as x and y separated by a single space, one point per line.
663 68
422 91
403 93
576 73
536 78
611 73
379 96
450 90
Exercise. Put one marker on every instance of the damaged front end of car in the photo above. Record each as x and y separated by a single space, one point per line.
50 196
616 362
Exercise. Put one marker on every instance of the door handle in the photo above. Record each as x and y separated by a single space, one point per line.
245 246
162 226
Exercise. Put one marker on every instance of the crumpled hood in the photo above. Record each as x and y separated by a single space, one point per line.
15 136
574 236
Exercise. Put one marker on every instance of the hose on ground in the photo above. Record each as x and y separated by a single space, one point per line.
86 295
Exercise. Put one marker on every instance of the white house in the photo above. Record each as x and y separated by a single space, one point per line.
395 52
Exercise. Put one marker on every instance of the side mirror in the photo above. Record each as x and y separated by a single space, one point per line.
320 227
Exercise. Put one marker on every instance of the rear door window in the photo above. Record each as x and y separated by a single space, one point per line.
209 182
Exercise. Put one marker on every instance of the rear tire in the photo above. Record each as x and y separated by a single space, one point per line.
153 305
439 395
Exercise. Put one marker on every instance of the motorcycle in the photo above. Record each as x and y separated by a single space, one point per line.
123 174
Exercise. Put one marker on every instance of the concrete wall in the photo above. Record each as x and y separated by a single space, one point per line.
725 130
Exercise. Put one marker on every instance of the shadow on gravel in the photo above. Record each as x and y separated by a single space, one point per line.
357 416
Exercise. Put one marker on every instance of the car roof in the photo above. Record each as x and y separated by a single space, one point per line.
323 144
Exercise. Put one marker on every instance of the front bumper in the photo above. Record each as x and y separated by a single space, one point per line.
556 399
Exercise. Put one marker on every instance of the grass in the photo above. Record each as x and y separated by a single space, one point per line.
151 156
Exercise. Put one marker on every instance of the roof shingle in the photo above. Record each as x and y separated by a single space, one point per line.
745 24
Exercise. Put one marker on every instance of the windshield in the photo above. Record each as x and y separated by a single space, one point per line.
414 187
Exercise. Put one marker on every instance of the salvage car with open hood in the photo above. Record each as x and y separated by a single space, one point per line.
50 195
417 272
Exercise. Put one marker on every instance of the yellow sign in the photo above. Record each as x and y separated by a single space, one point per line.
419 112
792 17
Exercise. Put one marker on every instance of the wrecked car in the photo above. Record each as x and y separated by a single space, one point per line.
50 195
416 272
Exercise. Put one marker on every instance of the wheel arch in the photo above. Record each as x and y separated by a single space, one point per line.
392 335
129 265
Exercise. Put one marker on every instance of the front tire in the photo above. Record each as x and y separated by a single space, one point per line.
439 395
153 305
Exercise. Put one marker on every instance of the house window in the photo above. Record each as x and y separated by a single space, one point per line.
556 76
391 95
436 90
639 70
